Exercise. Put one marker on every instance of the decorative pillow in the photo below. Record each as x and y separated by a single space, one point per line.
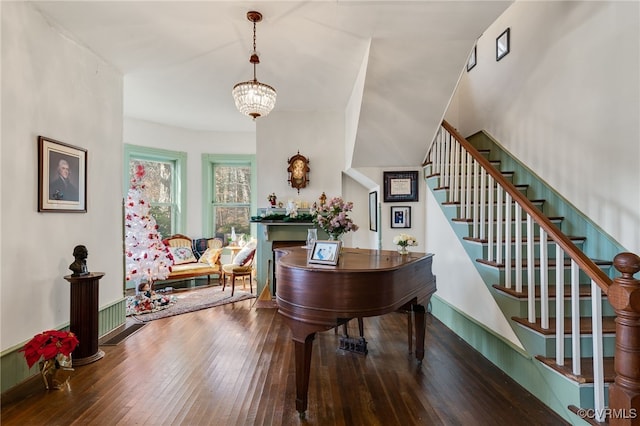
210 256
244 254
182 255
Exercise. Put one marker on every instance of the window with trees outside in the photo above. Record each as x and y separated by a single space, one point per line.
163 185
231 193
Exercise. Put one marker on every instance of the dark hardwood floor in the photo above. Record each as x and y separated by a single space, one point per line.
233 365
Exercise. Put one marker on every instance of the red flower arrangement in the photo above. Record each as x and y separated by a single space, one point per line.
48 345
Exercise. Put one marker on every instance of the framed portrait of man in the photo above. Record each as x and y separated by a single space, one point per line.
62 177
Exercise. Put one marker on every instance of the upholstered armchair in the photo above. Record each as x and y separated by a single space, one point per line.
240 267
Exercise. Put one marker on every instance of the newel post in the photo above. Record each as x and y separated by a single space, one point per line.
624 296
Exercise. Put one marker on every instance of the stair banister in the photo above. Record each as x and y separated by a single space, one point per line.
624 296
589 268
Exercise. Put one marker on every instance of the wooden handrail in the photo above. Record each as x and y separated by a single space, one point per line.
601 279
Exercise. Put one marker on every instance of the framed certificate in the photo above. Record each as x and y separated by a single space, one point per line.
400 186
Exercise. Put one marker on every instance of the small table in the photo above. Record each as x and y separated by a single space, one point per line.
234 250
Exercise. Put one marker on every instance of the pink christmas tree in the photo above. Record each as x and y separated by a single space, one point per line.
146 257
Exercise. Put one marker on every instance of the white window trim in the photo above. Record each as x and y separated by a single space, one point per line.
135 152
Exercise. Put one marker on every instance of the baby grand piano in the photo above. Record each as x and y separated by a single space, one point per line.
365 283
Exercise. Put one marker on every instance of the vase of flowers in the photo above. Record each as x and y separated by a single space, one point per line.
53 349
403 241
332 217
272 199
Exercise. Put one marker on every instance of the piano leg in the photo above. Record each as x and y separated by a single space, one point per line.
419 318
361 327
410 330
303 370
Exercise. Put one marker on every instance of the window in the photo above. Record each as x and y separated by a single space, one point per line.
163 184
229 183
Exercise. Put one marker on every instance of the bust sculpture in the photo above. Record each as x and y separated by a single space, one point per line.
79 266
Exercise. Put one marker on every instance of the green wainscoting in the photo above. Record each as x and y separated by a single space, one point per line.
13 367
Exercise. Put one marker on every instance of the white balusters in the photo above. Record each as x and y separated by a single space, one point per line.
559 305
575 317
463 182
508 206
598 365
447 161
455 185
483 204
475 204
468 198
544 281
490 221
531 270
518 247
499 224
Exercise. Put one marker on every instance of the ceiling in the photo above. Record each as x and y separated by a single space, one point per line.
181 59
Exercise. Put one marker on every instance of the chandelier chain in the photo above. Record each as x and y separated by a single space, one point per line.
253 98
254 53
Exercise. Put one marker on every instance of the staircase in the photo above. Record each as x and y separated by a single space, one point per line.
541 258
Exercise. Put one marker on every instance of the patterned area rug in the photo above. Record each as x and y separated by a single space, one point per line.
195 300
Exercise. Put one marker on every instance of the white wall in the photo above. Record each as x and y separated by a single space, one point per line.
52 86
319 136
194 143
459 283
566 102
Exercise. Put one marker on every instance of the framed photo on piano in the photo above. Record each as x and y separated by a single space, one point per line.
325 252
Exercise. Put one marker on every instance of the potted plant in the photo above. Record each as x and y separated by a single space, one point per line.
53 349
403 241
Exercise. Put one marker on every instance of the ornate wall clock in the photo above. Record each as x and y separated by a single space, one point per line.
298 171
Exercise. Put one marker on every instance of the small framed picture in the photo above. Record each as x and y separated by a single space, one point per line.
62 177
472 59
502 44
400 186
401 217
325 252
373 211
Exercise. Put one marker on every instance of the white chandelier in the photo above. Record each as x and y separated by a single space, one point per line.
253 98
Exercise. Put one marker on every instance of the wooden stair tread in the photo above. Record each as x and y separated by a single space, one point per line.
608 325
584 290
524 219
524 240
537 202
442 188
586 375
550 262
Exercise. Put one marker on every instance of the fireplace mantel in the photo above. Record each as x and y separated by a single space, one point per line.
270 232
